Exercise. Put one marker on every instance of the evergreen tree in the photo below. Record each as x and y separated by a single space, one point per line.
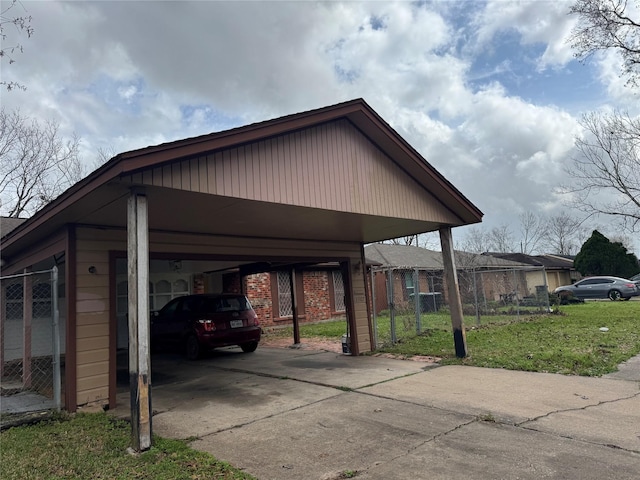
599 256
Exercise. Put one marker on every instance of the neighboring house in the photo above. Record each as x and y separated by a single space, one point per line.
552 270
494 278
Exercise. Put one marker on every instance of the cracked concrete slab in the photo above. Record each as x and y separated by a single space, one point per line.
614 423
487 451
509 396
229 399
289 414
347 432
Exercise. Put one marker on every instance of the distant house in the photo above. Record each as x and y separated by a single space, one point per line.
557 269
419 270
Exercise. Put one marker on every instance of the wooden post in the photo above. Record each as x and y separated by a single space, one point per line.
455 303
27 317
294 307
138 308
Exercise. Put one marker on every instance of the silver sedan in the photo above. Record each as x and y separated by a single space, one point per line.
613 288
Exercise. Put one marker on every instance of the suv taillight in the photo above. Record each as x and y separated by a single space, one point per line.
208 325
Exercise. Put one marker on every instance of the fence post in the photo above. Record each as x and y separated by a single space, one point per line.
475 295
373 308
27 318
416 294
392 306
546 289
515 287
57 387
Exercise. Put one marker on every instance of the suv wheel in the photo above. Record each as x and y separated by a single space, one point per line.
193 350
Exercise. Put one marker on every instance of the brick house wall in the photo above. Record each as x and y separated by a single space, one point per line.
317 288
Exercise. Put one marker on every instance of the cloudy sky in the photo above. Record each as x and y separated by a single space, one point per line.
488 92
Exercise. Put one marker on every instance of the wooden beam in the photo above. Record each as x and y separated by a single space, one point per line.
138 308
453 291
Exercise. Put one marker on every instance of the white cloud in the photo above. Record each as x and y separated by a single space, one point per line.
537 22
125 75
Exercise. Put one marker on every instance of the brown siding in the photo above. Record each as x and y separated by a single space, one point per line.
331 166
92 307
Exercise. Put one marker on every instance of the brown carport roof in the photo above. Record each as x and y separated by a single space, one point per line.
65 209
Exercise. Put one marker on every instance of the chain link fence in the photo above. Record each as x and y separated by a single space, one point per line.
30 342
409 301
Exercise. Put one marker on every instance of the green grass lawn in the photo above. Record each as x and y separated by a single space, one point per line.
94 446
569 341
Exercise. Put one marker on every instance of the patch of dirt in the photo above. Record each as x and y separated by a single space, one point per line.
335 346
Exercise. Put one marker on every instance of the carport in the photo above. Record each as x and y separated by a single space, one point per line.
306 188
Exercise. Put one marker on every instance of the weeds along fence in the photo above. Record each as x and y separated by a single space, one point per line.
408 301
30 342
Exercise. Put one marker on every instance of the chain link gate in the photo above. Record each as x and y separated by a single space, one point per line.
30 346
407 301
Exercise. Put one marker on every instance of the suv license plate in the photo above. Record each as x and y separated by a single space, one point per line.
236 323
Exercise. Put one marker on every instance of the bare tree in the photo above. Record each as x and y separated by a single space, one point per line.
475 241
36 164
607 172
498 239
10 25
533 230
103 156
408 240
564 235
608 25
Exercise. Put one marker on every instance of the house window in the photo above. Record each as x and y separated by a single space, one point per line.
338 291
285 304
160 293
408 282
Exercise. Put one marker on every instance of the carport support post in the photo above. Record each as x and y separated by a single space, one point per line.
455 304
138 307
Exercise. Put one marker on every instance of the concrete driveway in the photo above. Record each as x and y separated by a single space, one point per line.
300 414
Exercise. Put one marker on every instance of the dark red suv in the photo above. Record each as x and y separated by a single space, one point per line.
197 323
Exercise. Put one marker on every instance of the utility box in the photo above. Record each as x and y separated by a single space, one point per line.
429 301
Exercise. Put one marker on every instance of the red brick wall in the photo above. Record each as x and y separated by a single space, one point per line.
318 305
258 290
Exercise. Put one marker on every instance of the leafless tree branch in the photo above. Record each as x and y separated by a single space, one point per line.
36 164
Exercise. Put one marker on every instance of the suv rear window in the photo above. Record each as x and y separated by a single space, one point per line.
226 304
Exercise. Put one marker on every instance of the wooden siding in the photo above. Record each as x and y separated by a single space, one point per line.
92 312
331 166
